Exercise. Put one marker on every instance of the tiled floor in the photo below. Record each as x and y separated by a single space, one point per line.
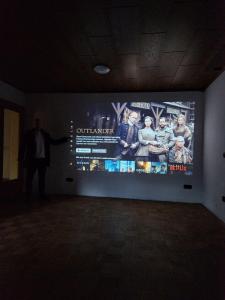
80 248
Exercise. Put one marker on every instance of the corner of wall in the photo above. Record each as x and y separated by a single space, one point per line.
214 147
11 94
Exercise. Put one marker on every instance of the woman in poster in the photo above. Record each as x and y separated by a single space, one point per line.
181 129
146 137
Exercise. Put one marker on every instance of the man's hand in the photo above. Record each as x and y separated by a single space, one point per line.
125 145
166 148
133 146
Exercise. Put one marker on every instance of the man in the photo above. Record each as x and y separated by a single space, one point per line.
128 137
179 153
163 169
35 153
165 138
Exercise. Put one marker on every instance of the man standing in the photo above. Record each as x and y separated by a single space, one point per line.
165 138
128 137
36 156
179 153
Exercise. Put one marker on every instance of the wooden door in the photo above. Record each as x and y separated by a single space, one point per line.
11 120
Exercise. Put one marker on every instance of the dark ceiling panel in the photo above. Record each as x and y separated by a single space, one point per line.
164 82
94 21
185 74
148 77
102 47
155 16
149 45
213 14
216 61
81 44
125 29
128 65
183 20
204 45
169 63
67 25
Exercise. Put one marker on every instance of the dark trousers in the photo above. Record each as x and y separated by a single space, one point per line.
40 166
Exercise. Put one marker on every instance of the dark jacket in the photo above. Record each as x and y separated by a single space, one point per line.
122 133
28 148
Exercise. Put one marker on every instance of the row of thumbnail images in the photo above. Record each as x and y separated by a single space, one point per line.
126 166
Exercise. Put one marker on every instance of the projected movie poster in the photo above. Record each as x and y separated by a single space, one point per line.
134 137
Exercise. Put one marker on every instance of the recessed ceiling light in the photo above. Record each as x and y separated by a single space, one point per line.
102 69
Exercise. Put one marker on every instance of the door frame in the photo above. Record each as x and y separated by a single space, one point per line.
11 188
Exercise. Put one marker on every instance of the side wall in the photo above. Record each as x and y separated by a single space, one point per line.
214 147
11 94
56 110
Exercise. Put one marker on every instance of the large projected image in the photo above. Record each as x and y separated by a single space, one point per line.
134 137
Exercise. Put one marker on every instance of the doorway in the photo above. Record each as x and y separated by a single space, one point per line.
11 120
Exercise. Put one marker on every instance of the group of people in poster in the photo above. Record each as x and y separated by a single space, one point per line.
147 138
163 144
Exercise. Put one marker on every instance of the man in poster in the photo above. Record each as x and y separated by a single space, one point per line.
165 138
179 153
128 137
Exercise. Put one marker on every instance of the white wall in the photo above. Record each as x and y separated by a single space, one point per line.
57 109
11 94
214 147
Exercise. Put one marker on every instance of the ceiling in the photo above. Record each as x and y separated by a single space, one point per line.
149 45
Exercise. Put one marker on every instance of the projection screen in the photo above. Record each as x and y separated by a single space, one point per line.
134 137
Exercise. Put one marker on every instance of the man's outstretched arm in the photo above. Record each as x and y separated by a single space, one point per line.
59 141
